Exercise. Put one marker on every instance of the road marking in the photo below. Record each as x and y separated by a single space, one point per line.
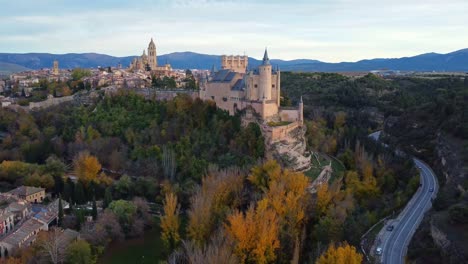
415 207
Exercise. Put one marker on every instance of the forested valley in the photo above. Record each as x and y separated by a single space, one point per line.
193 172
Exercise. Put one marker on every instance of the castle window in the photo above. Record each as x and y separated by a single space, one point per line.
255 86
273 86
212 97
224 99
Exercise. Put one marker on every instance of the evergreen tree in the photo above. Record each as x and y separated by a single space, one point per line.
60 212
59 185
94 212
107 197
69 191
79 193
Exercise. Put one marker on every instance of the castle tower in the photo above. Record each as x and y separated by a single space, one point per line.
265 78
152 60
278 86
55 71
234 63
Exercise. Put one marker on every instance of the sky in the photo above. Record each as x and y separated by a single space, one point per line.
326 30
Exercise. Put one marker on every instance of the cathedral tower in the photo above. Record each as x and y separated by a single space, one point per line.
55 71
152 60
265 78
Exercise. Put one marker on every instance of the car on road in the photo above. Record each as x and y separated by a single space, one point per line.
390 228
431 190
378 251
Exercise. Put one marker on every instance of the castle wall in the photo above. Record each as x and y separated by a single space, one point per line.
50 102
220 94
270 108
281 132
289 114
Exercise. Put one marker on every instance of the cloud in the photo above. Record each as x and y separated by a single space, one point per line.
338 30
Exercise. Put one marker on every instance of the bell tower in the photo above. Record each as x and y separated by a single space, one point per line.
152 60
55 70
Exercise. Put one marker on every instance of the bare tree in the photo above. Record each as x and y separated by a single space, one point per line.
169 163
219 250
51 246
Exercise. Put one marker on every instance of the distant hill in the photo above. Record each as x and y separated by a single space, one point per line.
454 61
8 68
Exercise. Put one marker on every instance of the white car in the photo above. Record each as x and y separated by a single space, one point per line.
378 251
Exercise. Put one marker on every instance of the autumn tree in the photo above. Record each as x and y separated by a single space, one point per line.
170 221
323 198
86 167
220 191
285 192
255 233
344 254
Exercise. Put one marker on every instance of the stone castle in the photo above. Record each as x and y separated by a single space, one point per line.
150 62
234 88
257 92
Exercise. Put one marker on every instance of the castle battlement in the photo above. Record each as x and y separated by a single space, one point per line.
236 63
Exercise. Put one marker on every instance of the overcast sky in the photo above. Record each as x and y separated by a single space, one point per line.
327 30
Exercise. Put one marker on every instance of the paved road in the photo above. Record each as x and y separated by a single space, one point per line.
395 243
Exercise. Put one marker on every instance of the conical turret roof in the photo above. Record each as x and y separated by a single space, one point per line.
266 60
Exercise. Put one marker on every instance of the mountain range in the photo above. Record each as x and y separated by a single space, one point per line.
453 61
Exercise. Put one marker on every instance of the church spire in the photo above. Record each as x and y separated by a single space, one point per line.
266 60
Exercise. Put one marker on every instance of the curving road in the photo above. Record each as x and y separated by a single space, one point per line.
394 243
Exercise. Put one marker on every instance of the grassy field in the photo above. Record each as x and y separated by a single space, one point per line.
323 160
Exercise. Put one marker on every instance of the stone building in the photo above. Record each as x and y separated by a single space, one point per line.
233 88
21 237
28 193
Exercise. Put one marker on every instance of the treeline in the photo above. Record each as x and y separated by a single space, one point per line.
439 102
258 216
164 140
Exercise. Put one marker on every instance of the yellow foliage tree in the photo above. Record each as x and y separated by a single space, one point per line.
260 176
220 190
170 221
287 196
255 233
344 254
323 198
86 167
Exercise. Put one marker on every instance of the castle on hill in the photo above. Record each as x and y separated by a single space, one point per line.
150 62
257 92
234 88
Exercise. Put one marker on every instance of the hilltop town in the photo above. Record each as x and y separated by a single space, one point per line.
235 88
252 93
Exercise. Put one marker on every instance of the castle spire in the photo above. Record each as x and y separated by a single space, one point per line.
301 100
266 60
